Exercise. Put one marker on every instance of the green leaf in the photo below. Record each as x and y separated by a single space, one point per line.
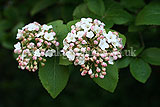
115 13
82 11
120 35
41 5
53 76
151 55
109 82
70 23
60 29
64 61
96 6
133 5
140 70
124 62
149 15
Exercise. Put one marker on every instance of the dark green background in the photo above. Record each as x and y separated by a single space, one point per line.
23 89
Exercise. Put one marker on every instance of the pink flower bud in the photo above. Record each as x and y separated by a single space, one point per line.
121 46
76 60
76 43
103 69
97 54
98 38
111 54
94 52
107 59
98 35
40 58
86 55
96 65
41 40
42 53
101 37
92 76
76 50
22 67
96 75
97 61
119 56
54 42
103 55
34 58
101 76
77 54
19 51
92 28
36 39
57 43
83 66
90 72
98 70
87 59
39 44
45 42
104 64
95 42
82 74
85 71
37 29
80 39
116 33
94 57
73 31
84 42
103 73
27 67
71 44
88 48
83 49
115 57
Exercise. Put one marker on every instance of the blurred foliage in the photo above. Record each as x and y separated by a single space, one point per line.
137 19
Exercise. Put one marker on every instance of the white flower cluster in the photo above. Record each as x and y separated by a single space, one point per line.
90 46
36 43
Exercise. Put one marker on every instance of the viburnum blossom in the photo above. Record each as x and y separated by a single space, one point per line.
89 45
36 42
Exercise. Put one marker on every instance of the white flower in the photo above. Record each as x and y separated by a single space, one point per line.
90 34
48 36
78 24
97 29
23 55
17 46
83 49
66 45
70 55
86 20
37 53
110 37
80 34
110 60
70 37
19 34
103 44
31 27
81 60
90 72
49 52
116 43
45 27
86 26
40 33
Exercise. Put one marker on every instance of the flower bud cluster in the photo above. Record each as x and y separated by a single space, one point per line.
90 46
36 42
